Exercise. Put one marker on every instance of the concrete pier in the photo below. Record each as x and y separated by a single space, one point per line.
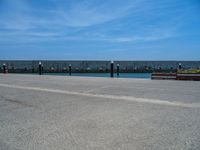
82 113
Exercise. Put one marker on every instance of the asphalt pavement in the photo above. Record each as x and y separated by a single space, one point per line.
89 113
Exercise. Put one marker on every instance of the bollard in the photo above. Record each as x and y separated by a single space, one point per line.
40 68
70 69
111 69
117 70
179 66
4 68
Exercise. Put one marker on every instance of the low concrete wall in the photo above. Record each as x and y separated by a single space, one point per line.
175 76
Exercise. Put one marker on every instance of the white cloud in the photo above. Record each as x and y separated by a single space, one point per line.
74 20
83 14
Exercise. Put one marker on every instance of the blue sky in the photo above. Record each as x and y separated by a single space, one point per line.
100 29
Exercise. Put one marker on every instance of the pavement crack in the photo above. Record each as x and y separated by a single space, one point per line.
21 103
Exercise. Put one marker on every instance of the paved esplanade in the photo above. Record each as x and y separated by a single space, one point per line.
76 113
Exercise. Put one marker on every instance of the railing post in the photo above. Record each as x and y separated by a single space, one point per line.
70 69
4 68
117 70
40 68
179 66
111 69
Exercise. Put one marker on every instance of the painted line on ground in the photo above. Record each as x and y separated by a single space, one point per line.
127 98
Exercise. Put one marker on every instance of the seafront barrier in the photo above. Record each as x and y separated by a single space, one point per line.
23 66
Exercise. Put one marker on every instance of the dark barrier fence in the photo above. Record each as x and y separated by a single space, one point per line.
96 66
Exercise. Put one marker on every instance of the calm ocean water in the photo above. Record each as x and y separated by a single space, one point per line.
121 75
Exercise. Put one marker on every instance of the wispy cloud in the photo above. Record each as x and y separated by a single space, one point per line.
81 14
92 21
22 15
86 14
